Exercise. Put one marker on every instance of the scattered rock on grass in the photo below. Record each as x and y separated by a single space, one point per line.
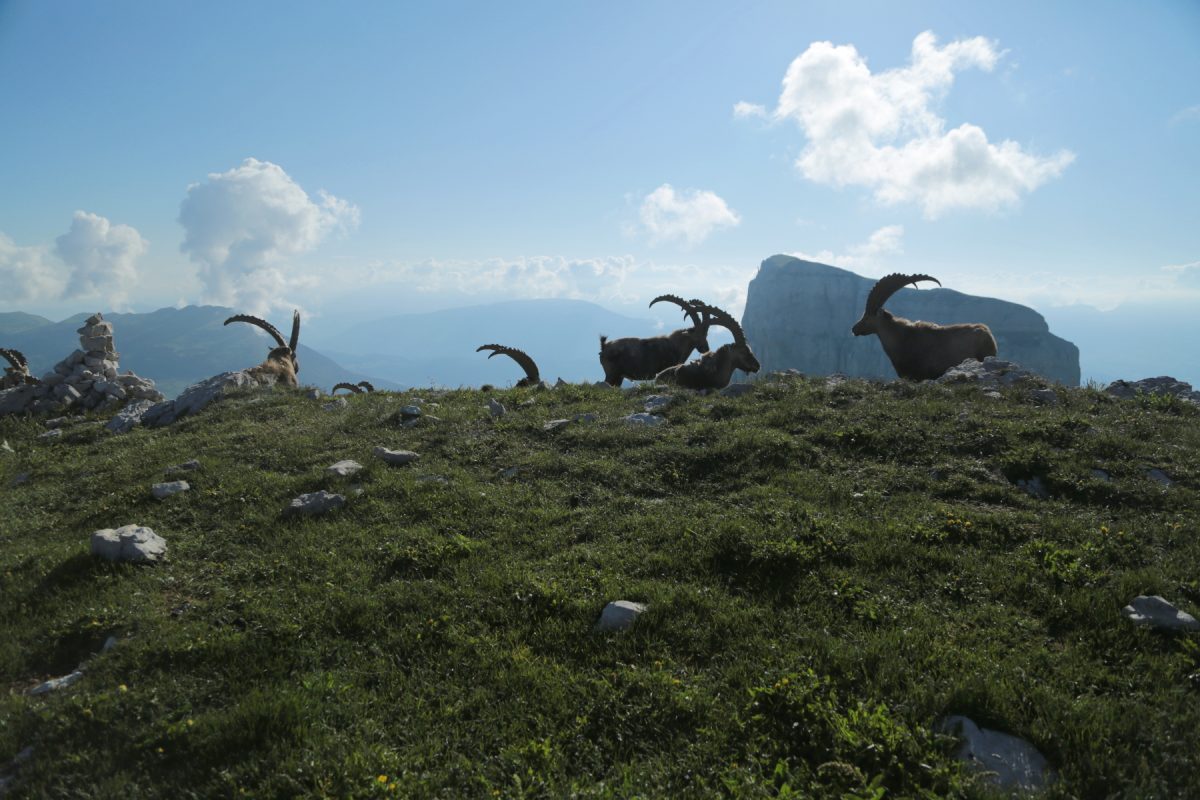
1101 475
55 684
1158 476
315 503
165 490
496 408
1034 487
619 615
314 394
1164 385
51 434
409 412
134 543
130 416
555 424
1155 612
657 402
509 473
6 448
336 404
396 457
1047 397
344 468
187 466
1012 762
649 420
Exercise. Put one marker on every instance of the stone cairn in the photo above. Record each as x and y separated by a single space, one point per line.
85 380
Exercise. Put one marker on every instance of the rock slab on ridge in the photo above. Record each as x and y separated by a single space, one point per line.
135 543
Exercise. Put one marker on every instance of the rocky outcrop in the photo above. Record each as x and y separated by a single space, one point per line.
85 380
799 314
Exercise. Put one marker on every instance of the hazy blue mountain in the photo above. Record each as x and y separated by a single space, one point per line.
18 322
176 347
438 347
1133 341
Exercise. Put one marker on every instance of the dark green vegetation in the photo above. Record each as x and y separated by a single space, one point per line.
829 572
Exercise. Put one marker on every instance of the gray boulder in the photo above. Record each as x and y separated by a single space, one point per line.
344 468
133 543
1155 612
161 491
395 457
1011 762
315 503
619 615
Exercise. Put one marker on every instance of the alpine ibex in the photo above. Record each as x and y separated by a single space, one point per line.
642 359
920 350
281 364
714 369
521 357
18 373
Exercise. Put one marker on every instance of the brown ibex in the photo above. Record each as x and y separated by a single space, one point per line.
281 364
18 373
920 350
521 357
642 359
714 369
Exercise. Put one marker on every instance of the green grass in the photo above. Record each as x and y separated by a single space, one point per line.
829 572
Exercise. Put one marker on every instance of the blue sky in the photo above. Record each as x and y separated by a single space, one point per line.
414 155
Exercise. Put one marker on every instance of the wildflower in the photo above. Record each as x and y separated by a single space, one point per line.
382 779
122 688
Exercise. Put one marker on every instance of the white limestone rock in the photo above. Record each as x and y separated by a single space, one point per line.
134 543
1011 762
129 417
396 458
555 424
315 503
344 468
496 408
1155 612
54 684
648 420
620 615
161 491
657 402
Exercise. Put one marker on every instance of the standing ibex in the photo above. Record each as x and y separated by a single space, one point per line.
714 369
281 364
18 373
920 350
642 359
521 357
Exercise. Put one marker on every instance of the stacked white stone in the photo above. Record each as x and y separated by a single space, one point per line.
87 379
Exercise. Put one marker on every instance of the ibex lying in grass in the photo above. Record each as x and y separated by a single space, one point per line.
714 369
642 359
356 388
281 365
521 357
18 373
920 350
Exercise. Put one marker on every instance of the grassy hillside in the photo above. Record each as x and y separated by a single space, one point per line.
829 571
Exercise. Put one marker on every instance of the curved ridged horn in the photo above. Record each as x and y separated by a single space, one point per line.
349 386
718 317
295 340
16 358
366 386
889 285
520 356
266 326
688 308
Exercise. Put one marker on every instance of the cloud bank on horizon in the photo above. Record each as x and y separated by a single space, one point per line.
880 131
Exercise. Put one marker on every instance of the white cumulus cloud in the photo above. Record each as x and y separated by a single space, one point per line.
28 274
864 257
689 215
882 131
241 226
102 257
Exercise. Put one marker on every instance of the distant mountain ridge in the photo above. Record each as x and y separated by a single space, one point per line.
438 348
175 347
799 314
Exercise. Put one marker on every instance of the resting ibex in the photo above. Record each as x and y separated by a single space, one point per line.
714 369
521 357
642 359
358 388
18 373
920 350
281 363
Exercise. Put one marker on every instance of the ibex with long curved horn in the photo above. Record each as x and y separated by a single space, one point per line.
714 369
18 373
281 364
920 350
521 357
642 359
356 388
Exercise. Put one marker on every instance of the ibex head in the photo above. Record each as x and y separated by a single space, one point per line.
285 351
880 292
698 333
